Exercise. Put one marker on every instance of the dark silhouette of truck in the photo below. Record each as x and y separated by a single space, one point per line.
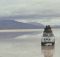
48 36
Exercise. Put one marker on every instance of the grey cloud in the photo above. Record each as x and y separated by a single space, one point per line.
29 9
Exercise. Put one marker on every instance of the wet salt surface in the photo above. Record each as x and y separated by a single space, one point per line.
27 44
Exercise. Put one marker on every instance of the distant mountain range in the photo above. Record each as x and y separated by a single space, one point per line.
55 26
37 24
11 24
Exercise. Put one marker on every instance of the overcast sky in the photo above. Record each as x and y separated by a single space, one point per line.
45 11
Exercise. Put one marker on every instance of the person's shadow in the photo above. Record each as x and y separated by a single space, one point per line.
47 51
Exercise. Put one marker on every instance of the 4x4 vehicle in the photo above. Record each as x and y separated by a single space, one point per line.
48 36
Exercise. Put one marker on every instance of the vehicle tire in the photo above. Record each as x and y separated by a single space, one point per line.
42 44
53 44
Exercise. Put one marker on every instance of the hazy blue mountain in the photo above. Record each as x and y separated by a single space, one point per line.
55 26
37 24
11 24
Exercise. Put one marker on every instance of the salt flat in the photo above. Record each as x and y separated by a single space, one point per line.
27 44
20 30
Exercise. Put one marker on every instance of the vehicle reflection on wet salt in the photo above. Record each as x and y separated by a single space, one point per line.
47 51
